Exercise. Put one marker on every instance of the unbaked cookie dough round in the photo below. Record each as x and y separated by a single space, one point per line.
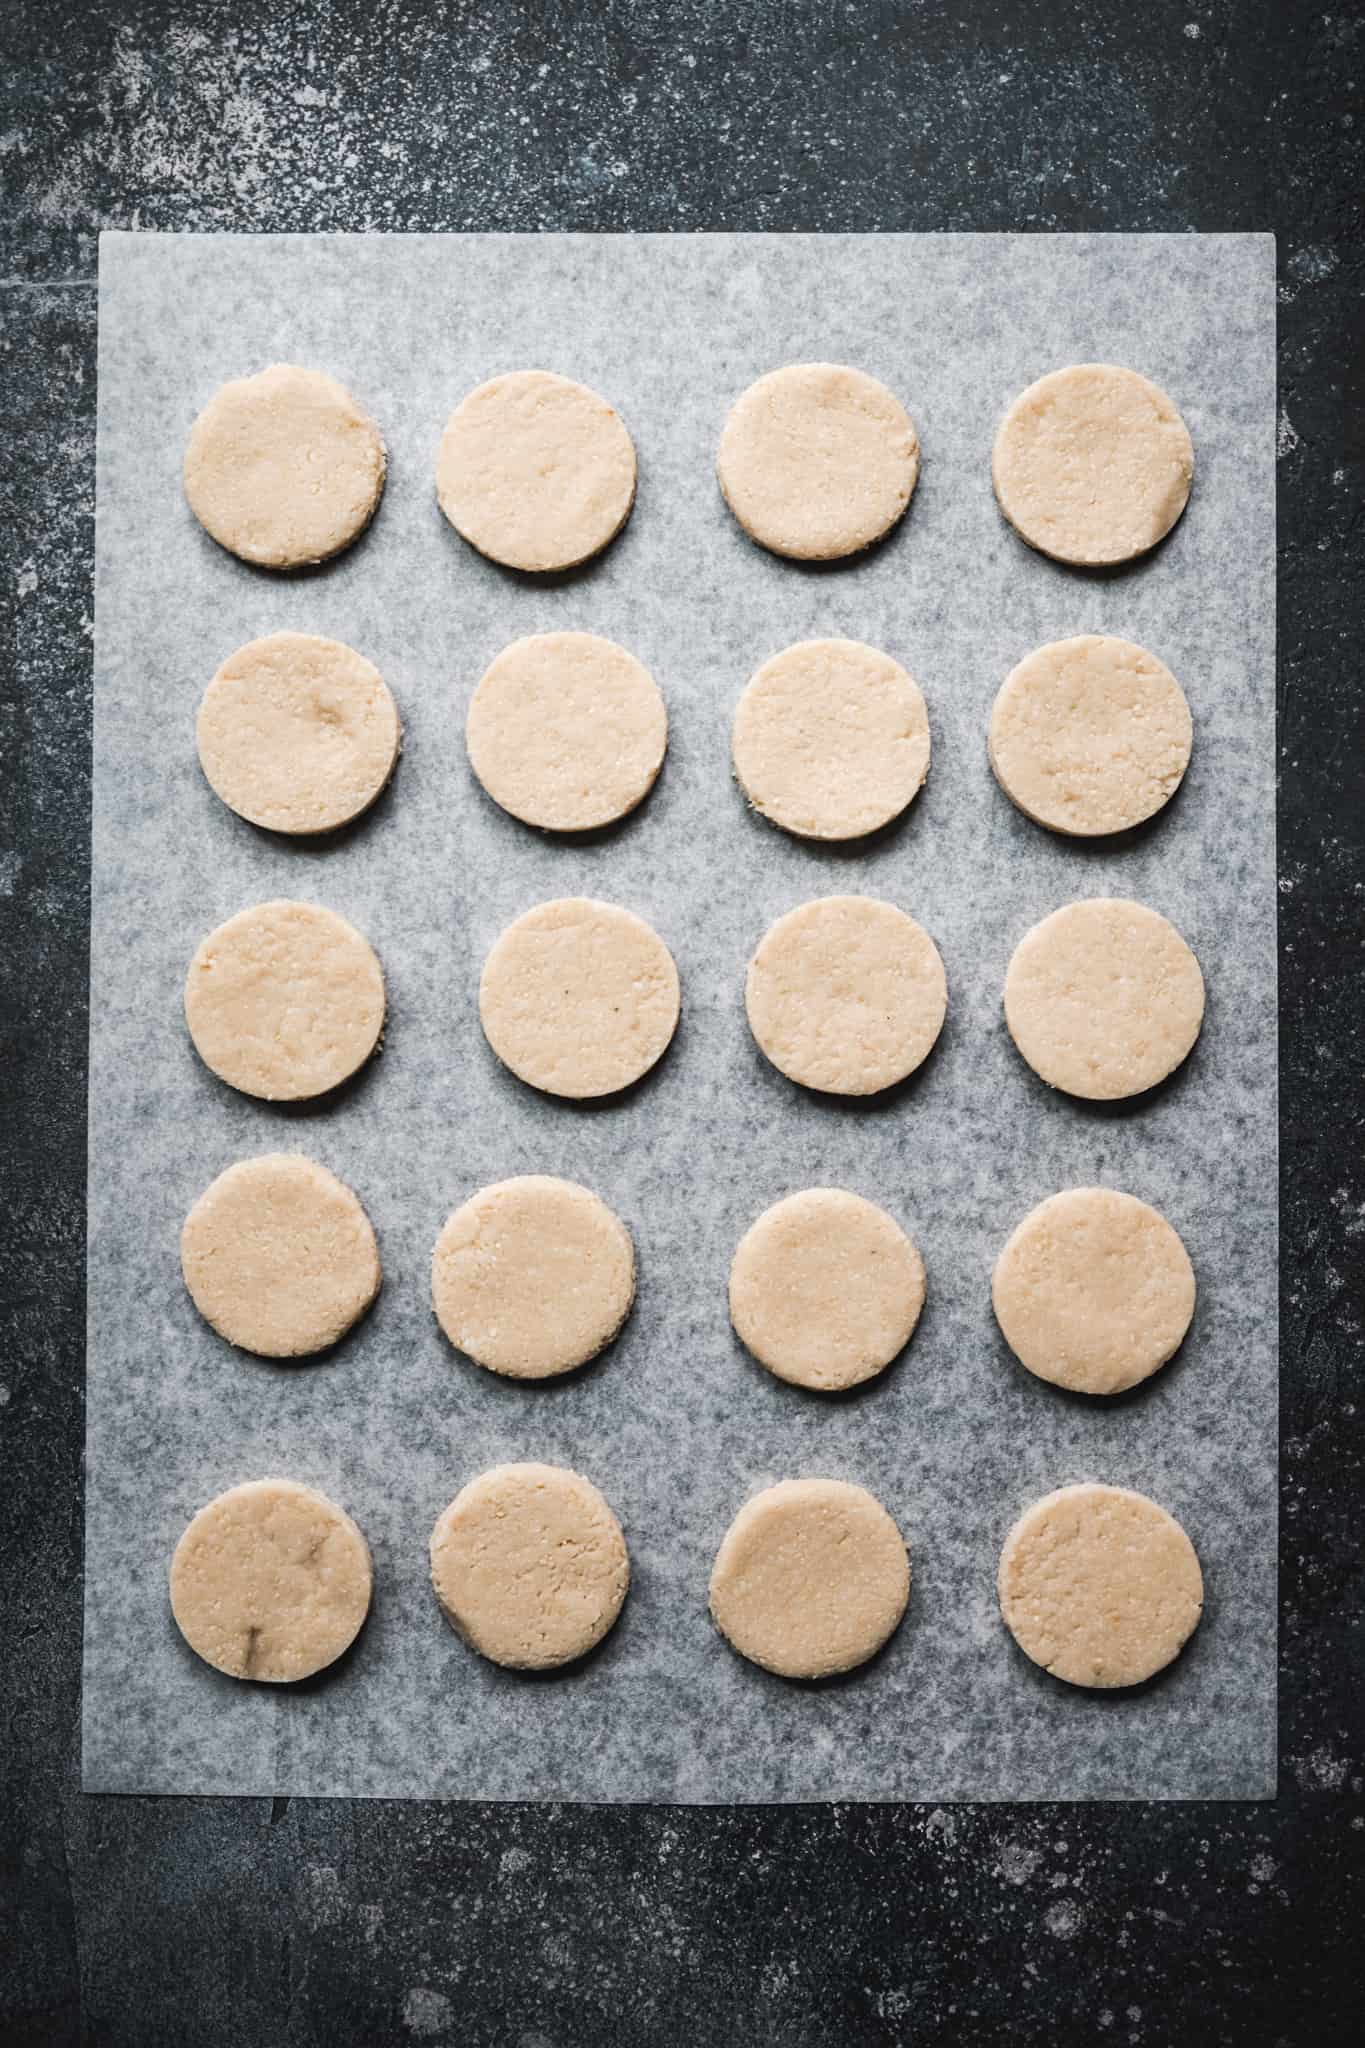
1092 465
846 995
579 998
831 739
536 471
812 1578
1090 735
530 1566
279 1256
297 733
567 731
532 1277
284 468
271 1581
1104 998
1099 1585
1093 1291
284 1001
817 461
825 1289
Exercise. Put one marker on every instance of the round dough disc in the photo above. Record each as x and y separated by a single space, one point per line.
279 1256
536 471
1092 465
530 1566
1099 1585
532 1277
1104 998
298 734
284 1001
579 998
831 739
1093 1291
825 1289
817 461
284 468
812 1578
846 995
567 731
1090 735
271 1581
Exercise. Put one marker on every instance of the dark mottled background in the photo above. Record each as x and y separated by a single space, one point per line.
211 1922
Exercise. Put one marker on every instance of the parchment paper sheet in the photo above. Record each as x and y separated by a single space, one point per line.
676 1423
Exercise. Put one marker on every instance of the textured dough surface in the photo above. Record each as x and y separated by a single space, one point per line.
284 468
284 1001
279 1256
1099 1585
579 998
825 1289
567 731
1092 464
1104 998
271 1581
846 995
812 1578
536 471
831 739
529 1565
297 733
532 1277
1090 735
817 460
1093 1291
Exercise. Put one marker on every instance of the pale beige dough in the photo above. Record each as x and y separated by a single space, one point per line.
1099 1585
530 1566
1093 1291
279 1256
825 1289
297 733
579 998
532 1277
1104 998
567 731
812 1578
1090 735
271 1581
284 468
284 1001
831 739
1092 464
536 471
817 461
846 995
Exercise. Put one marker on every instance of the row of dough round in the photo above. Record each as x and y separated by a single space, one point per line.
272 1581
1092 465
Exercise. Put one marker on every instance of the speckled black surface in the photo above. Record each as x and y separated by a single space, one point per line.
207 1922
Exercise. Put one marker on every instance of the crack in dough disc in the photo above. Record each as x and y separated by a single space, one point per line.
529 1565
271 1581
285 1001
831 739
1090 735
536 471
817 461
812 1578
846 995
1092 465
1104 999
1093 1291
1099 1585
567 731
284 469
